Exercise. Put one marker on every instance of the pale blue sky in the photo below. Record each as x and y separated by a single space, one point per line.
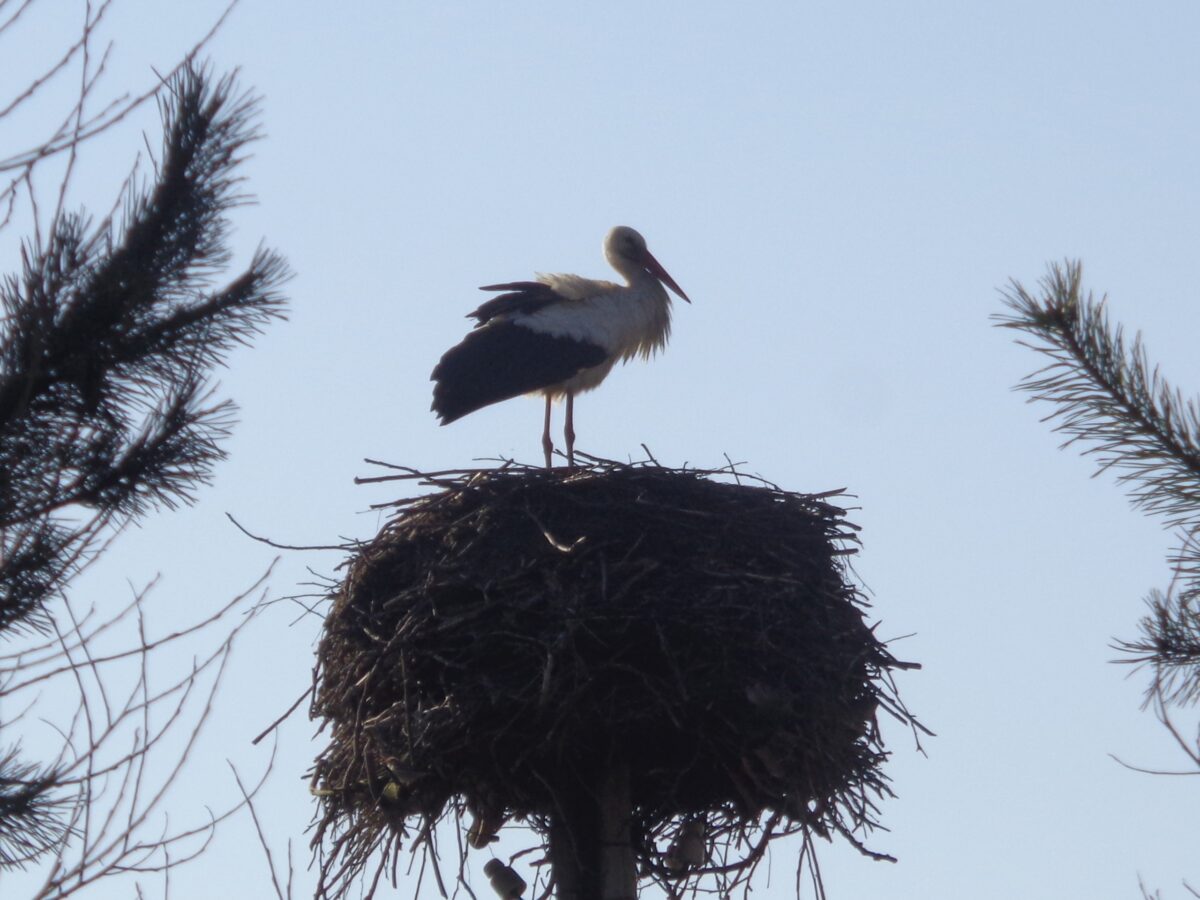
841 189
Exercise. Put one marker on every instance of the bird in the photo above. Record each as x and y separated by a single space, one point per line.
558 335
689 849
505 880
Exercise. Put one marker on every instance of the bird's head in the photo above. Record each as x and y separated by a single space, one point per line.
626 252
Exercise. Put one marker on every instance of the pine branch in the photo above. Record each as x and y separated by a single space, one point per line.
1112 402
38 560
1170 644
1108 398
31 811
109 337
109 334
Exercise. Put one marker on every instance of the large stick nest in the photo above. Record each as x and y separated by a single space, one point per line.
520 629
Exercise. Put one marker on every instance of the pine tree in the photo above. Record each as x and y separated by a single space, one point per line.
1109 400
111 331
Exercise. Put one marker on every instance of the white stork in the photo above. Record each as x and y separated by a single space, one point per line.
558 335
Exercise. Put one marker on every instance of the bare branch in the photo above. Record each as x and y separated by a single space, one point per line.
108 749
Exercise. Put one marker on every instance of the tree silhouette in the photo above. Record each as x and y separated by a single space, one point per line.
111 330
1117 407
1109 400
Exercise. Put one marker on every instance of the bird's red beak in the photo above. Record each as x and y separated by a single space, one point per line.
654 267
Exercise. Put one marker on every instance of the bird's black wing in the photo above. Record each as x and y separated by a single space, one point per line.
504 360
522 297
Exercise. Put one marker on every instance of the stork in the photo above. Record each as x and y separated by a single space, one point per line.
557 336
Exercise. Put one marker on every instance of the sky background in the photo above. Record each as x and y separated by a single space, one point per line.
842 189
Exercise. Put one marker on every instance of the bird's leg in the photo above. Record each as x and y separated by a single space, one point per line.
547 444
569 430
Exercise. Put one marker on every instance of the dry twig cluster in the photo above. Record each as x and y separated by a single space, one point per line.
508 638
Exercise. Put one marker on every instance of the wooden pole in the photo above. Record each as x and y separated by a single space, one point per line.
618 872
591 852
